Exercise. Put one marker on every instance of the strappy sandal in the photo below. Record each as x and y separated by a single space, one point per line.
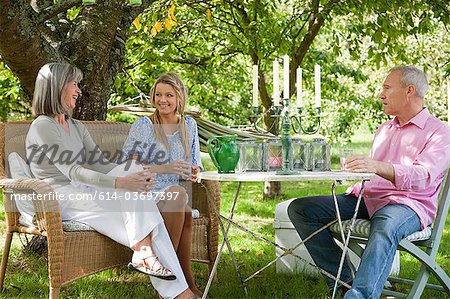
144 267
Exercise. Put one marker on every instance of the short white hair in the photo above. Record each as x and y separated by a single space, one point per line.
411 75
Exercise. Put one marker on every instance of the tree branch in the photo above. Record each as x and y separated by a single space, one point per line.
316 20
250 35
57 8
22 47
199 61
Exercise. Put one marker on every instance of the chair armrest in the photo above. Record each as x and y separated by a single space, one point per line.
48 212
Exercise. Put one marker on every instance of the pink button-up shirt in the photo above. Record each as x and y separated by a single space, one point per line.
419 150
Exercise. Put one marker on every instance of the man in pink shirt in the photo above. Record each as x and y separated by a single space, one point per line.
410 155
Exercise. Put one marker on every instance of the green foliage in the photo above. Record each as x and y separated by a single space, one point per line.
380 35
214 44
12 103
216 83
121 117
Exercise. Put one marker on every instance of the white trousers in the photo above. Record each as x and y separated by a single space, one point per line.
127 218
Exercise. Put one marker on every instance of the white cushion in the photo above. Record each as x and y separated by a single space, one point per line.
68 225
362 229
19 169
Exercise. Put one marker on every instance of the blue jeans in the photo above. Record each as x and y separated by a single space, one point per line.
389 225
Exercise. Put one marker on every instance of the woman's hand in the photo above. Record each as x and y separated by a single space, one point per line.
178 167
195 171
141 181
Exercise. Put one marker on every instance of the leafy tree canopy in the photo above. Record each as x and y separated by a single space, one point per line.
213 45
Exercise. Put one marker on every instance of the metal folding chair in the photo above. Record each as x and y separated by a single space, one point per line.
423 245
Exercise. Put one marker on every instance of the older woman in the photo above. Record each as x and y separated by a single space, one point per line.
167 144
62 153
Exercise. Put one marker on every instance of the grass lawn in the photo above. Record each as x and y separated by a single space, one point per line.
26 275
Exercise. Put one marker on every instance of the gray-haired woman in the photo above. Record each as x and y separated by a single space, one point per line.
62 153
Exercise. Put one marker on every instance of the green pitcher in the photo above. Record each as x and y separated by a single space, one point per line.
224 152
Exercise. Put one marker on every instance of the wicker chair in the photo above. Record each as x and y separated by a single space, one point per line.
75 254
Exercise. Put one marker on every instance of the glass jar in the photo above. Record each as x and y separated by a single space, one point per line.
320 159
251 156
273 155
300 155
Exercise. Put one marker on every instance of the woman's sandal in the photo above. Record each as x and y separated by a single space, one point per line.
144 267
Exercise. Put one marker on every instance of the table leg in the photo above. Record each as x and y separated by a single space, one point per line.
224 241
347 239
338 215
289 251
286 251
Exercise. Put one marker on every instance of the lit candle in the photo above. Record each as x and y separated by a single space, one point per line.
286 77
276 84
317 84
255 86
299 87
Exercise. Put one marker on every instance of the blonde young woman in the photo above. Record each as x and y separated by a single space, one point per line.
167 144
54 136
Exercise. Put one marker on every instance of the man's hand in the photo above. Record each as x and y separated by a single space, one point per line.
366 164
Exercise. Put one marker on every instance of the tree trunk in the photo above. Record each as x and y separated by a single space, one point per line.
22 46
33 34
36 32
315 22
37 245
272 190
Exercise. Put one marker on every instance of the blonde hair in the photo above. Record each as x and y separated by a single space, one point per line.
181 92
48 89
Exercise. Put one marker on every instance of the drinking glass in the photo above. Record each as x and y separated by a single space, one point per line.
344 154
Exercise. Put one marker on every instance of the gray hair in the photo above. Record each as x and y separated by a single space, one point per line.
411 75
49 87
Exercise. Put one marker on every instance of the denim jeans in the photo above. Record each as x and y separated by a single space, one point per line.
389 225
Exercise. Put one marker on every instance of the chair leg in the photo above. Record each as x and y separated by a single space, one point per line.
431 266
55 266
5 257
420 283
54 293
210 268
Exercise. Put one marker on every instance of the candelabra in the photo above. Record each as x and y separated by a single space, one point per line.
286 141
277 113
288 121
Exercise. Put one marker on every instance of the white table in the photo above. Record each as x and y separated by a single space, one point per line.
335 176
